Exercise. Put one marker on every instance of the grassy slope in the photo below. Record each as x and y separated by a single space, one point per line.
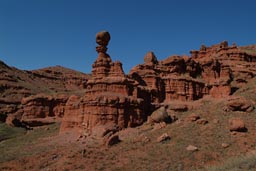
19 143
242 162
7 132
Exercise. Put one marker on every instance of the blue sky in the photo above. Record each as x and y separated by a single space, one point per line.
40 33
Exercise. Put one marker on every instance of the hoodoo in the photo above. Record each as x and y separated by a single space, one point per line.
110 97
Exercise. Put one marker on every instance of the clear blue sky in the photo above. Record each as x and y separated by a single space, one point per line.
41 33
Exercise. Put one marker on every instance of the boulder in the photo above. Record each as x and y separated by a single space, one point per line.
191 148
225 145
163 137
112 140
193 117
239 104
159 115
202 121
237 124
103 130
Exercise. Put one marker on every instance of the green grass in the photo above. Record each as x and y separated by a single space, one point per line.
19 143
7 132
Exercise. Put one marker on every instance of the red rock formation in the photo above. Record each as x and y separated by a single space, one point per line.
210 71
102 109
184 89
170 79
20 91
38 107
110 97
232 64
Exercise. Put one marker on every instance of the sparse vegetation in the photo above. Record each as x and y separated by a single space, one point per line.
240 163
17 143
7 132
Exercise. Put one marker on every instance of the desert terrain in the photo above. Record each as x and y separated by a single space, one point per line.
192 112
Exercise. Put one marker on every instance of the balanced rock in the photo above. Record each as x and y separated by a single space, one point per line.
102 38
